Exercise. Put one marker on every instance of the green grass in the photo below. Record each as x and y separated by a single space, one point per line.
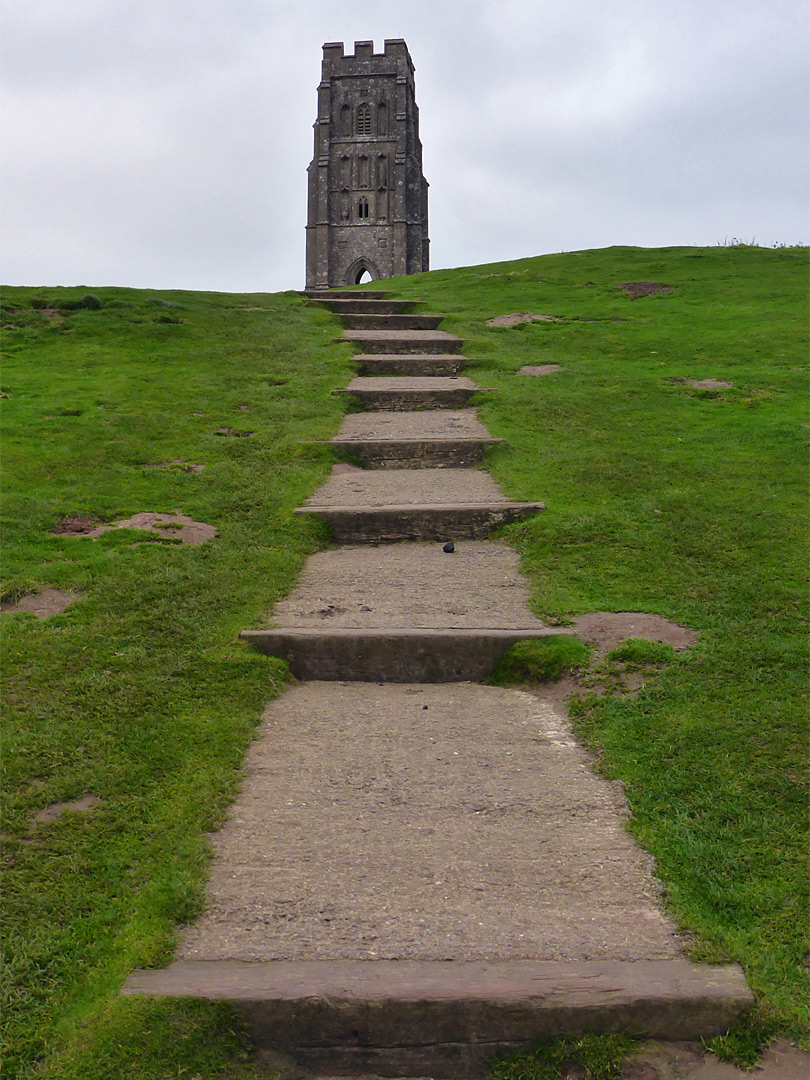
691 504
593 1057
141 694
660 497
539 660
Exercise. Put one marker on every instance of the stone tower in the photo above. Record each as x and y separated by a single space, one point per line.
367 206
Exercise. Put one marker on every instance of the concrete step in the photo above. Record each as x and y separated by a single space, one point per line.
358 305
402 612
403 341
379 506
414 440
384 321
345 294
402 656
414 876
416 453
402 394
447 1019
417 364
386 524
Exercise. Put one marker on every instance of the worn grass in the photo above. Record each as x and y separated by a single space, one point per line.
660 497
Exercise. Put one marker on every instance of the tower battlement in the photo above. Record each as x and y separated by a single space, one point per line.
363 50
367 210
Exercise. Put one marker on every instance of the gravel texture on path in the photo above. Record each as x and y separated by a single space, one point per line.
427 822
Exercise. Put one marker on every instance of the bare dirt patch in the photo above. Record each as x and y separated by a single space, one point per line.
667 1060
75 526
607 629
55 810
236 433
177 465
173 526
44 603
636 289
521 317
704 384
539 369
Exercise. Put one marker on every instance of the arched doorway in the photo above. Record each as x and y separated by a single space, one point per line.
361 270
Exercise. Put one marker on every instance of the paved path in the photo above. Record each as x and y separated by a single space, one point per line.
420 869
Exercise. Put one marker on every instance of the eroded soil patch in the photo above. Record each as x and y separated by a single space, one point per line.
75 526
170 526
44 603
636 289
704 384
521 317
607 629
539 369
55 810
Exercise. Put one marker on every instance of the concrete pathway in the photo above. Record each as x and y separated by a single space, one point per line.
419 869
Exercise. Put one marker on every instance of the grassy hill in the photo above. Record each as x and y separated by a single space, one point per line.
662 496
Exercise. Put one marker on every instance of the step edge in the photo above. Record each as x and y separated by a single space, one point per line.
421 508
380 980
407 632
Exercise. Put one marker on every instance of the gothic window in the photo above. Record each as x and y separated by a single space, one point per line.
362 208
364 119
362 171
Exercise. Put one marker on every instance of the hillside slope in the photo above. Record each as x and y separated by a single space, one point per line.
679 500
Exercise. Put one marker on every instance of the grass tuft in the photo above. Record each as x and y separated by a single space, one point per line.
539 660
595 1057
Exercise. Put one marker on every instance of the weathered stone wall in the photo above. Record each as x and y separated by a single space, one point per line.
367 208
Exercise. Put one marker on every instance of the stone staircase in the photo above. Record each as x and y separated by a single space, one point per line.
421 871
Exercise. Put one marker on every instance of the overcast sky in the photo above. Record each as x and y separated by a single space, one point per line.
164 143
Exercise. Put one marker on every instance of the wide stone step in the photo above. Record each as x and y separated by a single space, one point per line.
345 294
417 364
382 321
368 506
386 524
404 612
447 1019
397 656
403 341
425 439
402 394
358 305
416 453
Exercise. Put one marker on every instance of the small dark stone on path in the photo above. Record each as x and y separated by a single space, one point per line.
449 547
